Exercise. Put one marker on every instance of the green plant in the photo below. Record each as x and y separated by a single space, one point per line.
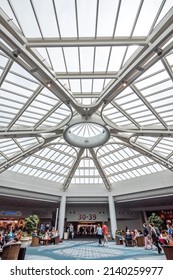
24 234
31 223
156 220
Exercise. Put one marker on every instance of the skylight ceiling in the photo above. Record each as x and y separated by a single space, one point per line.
64 59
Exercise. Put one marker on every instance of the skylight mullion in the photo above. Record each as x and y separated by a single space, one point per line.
149 106
167 67
45 117
132 30
17 19
6 71
156 17
40 169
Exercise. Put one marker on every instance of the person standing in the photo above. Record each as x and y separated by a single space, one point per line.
147 238
99 234
71 231
105 234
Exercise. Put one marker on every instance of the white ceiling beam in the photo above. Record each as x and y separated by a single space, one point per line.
100 170
73 170
87 42
87 75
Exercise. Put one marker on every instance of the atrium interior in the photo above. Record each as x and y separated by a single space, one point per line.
86 103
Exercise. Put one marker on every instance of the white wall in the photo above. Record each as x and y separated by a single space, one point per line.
154 181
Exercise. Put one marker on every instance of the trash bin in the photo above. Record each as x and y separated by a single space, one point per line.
65 235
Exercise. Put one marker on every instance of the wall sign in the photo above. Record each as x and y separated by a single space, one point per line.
86 214
10 213
90 217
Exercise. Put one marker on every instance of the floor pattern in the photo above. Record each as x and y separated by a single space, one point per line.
89 250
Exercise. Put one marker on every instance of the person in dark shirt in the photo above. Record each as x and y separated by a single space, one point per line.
155 236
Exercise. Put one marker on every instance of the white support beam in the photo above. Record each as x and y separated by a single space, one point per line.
87 42
73 170
100 170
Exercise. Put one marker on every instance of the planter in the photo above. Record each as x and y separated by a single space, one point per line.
168 251
26 241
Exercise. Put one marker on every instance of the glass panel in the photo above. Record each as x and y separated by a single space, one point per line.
47 23
86 21
116 58
106 17
148 13
66 17
126 18
20 7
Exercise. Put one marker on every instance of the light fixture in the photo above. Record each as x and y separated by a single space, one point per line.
49 83
139 68
159 51
86 133
124 83
16 53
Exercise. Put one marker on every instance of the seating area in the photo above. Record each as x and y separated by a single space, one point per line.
36 240
15 251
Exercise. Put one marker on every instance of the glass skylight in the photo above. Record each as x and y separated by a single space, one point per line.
86 56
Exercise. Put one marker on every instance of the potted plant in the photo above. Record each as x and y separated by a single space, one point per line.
31 223
156 220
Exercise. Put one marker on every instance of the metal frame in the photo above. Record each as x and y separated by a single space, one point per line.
143 59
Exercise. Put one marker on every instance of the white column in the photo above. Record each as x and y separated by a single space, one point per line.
62 216
112 213
56 218
145 217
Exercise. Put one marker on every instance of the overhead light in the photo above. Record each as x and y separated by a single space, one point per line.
33 70
49 84
16 53
139 68
159 51
124 83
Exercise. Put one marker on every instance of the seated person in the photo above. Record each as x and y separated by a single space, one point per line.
1 240
128 237
19 234
164 238
54 234
15 240
46 237
136 234
34 233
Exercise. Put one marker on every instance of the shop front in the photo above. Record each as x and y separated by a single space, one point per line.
12 219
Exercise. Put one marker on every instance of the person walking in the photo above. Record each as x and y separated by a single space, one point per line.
105 233
155 237
99 234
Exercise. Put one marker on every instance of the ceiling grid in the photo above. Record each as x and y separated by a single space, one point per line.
94 69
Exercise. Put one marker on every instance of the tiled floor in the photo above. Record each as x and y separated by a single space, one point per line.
89 250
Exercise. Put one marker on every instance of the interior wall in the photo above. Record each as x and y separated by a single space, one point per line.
130 223
154 181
